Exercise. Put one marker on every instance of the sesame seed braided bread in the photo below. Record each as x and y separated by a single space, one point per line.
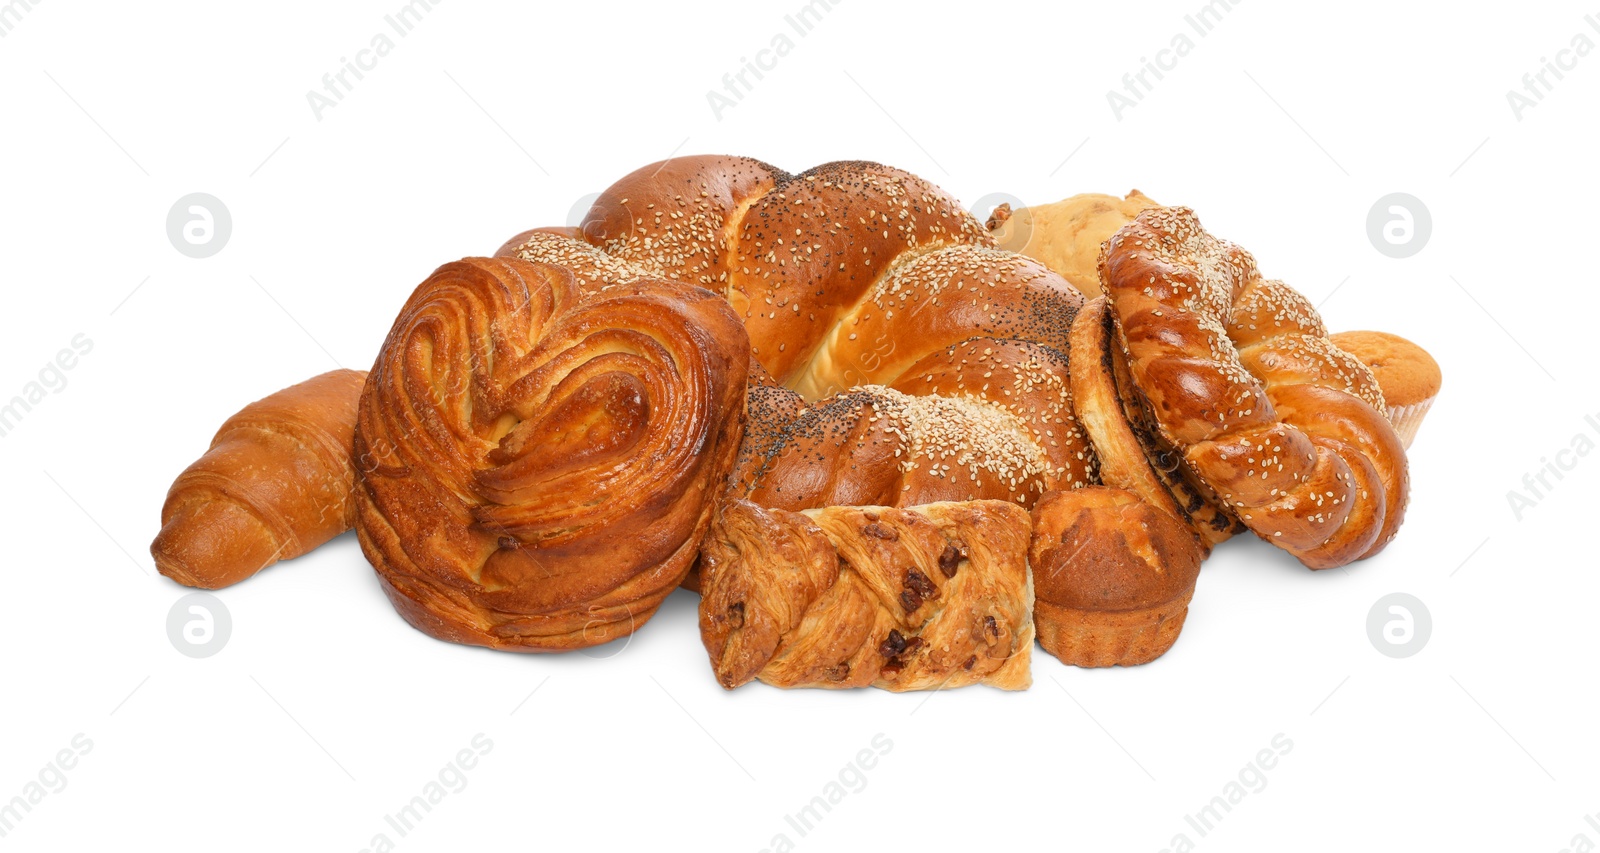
903 359
1239 375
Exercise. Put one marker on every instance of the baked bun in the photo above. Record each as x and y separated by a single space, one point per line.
539 467
1112 577
1408 375
1066 235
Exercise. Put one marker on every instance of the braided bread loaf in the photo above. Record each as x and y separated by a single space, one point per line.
904 359
1239 375
544 465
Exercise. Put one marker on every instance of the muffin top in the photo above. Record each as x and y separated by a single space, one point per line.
1405 371
1104 549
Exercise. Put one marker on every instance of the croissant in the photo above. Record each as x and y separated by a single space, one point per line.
910 361
545 463
276 482
903 599
1238 374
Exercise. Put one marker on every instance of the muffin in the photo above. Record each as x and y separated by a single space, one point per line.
1409 377
1112 577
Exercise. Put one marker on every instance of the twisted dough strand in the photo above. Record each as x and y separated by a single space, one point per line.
1239 375
874 298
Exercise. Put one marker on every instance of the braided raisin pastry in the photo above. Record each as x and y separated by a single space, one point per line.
1239 376
903 599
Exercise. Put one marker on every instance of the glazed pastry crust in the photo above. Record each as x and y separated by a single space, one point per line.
277 481
881 315
544 462
901 599
1238 373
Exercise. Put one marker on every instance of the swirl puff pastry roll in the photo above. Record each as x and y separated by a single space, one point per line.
903 599
543 465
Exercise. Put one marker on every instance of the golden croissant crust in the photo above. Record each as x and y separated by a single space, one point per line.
539 468
903 599
277 481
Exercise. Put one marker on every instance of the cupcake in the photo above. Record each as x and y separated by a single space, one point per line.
1112 577
1408 376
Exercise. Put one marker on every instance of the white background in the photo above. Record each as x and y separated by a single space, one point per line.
325 712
